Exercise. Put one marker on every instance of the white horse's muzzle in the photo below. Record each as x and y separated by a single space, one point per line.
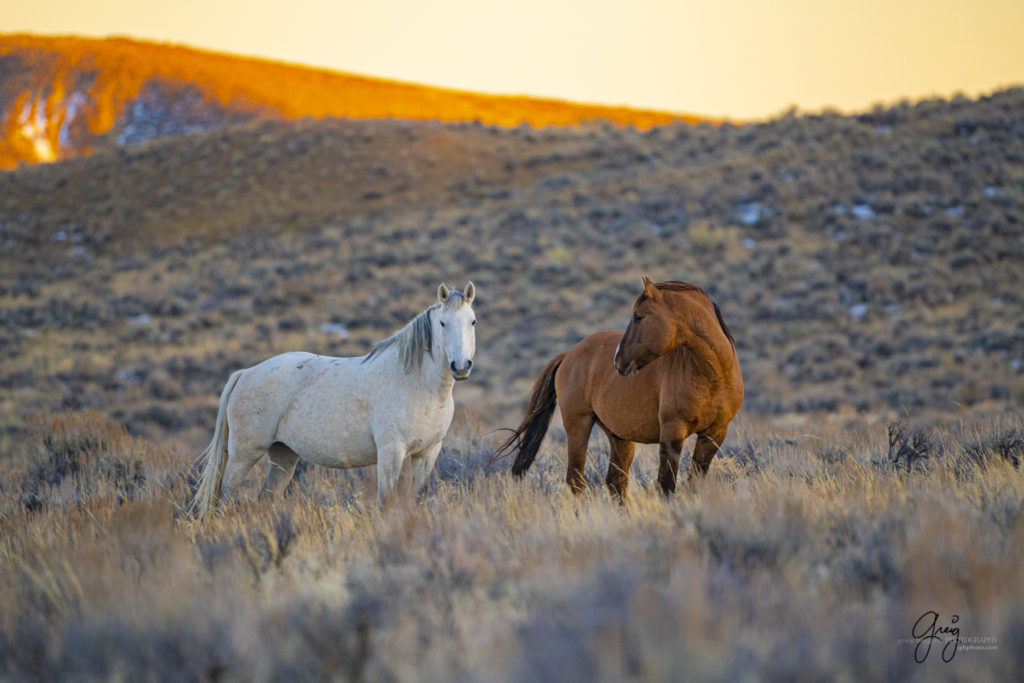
461 373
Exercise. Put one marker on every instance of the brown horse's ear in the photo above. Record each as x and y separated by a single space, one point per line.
469 293
442 292
652 291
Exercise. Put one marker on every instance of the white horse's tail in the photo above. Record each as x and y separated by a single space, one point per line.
215 455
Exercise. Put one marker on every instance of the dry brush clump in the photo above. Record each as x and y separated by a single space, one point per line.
75 457
800 556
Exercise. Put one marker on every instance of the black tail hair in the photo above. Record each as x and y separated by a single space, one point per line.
527 437
725 328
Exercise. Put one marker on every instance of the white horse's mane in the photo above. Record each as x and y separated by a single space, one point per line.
416 339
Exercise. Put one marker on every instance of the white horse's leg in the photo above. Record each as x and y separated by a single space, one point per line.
241 457
422 466
389 466
282 466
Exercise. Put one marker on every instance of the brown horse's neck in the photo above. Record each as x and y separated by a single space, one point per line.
699 331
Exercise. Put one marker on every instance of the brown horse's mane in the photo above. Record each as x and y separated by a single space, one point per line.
680 286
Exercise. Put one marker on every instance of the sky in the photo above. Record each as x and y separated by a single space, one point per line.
740 59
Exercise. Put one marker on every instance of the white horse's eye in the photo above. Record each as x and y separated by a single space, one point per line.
474 322
442 323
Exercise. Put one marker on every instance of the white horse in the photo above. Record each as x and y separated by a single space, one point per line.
392 403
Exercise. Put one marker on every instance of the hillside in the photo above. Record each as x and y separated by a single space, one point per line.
868 265
61 97
870 268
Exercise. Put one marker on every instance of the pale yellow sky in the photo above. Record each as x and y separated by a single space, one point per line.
737 58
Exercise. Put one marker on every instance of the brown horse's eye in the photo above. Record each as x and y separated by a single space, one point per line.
637 319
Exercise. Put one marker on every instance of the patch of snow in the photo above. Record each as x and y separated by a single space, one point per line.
129 376
858 311
32 124
954 211
126 133
749 213
750 243
138 319
75 102
335 328
862 211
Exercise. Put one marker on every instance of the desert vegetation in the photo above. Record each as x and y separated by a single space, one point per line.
869 267
802 556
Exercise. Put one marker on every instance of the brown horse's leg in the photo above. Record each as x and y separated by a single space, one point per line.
621 457
577 431
707 445
671 441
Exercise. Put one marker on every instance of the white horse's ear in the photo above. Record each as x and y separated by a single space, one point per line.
652 291
469 293
442 293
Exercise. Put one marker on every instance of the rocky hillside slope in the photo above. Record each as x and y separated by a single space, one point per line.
64 97
866 264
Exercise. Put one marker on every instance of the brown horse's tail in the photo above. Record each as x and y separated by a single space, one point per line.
527 437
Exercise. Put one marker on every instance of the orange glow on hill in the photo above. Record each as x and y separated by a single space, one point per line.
119 68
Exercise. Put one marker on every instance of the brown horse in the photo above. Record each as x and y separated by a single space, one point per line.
675 373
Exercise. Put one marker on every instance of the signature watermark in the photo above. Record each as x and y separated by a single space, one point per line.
931 630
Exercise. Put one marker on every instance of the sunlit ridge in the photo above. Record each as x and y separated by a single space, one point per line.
82 87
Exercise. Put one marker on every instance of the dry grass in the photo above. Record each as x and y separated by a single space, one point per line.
801 557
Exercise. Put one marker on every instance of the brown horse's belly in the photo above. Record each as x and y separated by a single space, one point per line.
628 408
